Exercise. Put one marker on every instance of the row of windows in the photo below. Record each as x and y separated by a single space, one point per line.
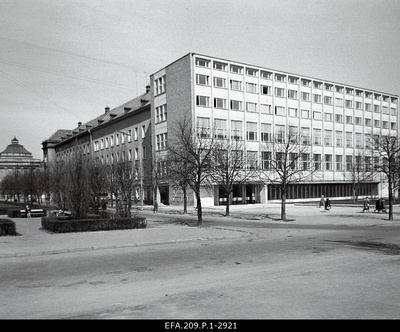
121 156
118 138
304 96
218 65
341 139
251 107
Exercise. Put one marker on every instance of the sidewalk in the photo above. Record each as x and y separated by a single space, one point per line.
34 241
170 226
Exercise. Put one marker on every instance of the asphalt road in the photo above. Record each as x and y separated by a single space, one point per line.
279 272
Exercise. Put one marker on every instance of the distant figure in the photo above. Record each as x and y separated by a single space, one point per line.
378 205
322 202
366 205
383 206
27 211
327 205
155 207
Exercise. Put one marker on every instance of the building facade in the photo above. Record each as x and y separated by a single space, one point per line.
15 158
119 134
254 103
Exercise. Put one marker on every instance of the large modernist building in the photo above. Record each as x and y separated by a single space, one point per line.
255 103
245 101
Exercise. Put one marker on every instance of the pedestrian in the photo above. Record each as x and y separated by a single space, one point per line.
366 205
378 205
322 202
27 211
383 206
155 207
327 204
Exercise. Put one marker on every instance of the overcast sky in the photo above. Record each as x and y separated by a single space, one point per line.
63 61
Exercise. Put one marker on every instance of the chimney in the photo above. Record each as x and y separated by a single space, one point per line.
107 109
147 88
127 109
79 124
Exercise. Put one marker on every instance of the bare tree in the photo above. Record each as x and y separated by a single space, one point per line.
231 166
191 148
386 154
359 170
288 161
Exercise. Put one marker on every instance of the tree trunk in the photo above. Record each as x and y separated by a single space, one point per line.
199 211
390 185
283 206
228 194
185 200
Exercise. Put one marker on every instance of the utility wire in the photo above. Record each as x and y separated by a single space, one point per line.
15 81
11 63
76 54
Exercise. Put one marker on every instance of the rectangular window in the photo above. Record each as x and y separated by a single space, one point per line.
251 87
251 72
203 127
305 96
377 109
328 87
161 113
236 69
327 100
143 131
279 92
305 82
393 125
349 103
339 102
266 132
202 63
305 136
159 85
368 107
358 121
305 114
266 74
203 101
292 94
328 117
339 162
339 138
219 103
266 109
266 159
349 119
161 141
339 118
251 107
385 124
236 85
202 79
280 78
317 98
359 141
317 140
279 133
251 131
219 65
328 162
236 105
252 159
219 82
305 161
377 124
328 137
266 90
136 133
317 85
220 128
368 122
292 111
236 130
317 115
349 163
359 105
349 139
280 110
107 142
317 161
293 80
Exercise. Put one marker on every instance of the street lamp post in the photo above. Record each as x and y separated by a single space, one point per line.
140 168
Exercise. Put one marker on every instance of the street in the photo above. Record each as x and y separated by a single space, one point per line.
278 272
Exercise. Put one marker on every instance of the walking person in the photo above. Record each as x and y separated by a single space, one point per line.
322 202
366 205
155 207
27 211
327 204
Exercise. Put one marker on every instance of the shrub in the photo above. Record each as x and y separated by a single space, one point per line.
12 213
7 227
68 225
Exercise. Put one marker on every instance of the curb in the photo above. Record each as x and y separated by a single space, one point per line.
114 246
